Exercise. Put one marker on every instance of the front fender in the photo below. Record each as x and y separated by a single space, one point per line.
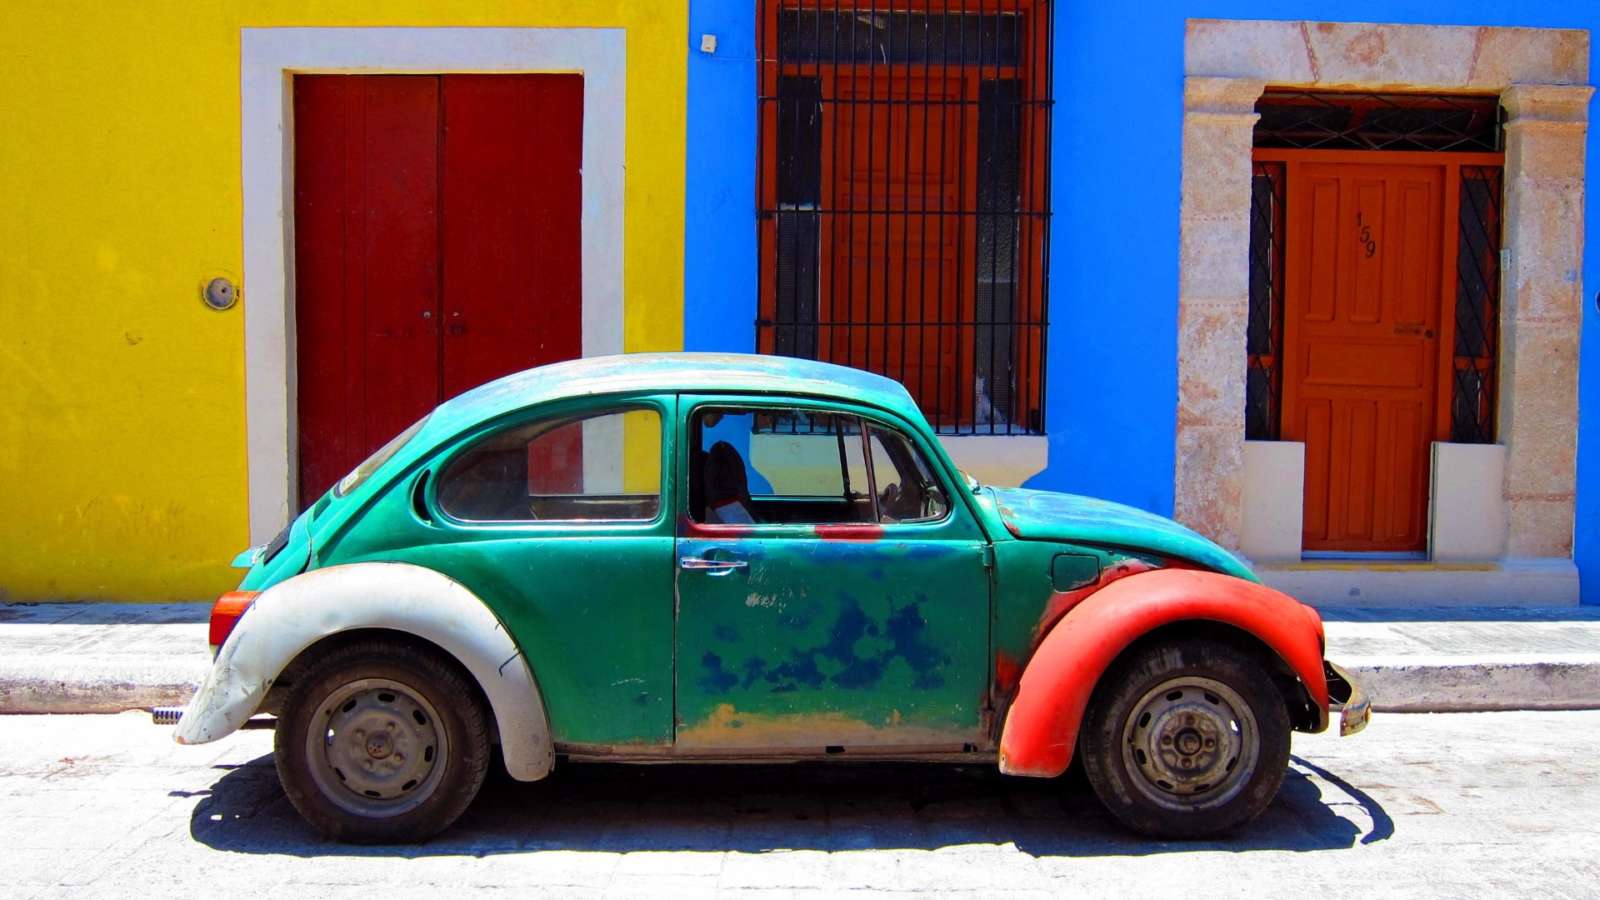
296 613
1041 728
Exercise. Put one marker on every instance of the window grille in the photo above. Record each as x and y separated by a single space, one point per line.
1322 120
1472 407
903 200
1264 336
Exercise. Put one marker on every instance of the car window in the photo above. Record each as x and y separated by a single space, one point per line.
777 466
906 488
600 467
796 466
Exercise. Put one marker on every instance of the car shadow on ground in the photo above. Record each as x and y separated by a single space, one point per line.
759 808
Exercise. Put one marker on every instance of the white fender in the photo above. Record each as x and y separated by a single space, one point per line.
296 613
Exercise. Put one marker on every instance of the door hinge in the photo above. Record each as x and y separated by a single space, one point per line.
988 556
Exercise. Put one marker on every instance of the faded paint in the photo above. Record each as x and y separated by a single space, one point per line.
835 632
1046 515
294 614
730 728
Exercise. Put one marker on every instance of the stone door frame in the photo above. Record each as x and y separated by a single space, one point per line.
1540 75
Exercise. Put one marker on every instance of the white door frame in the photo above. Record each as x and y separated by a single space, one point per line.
269 57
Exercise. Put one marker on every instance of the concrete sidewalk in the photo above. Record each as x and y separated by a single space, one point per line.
109 657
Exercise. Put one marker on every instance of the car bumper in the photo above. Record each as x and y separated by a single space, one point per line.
1346 696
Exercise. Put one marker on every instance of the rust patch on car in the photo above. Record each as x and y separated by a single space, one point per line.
728 727
1062 602
1006 672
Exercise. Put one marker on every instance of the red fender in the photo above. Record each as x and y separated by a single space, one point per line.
1042 726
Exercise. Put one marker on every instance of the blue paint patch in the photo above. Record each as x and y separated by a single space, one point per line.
840 660
716 679
725 632
906 629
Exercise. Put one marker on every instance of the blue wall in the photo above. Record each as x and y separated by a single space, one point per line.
1112 365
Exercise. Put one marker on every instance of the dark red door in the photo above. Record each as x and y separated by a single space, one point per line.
437 230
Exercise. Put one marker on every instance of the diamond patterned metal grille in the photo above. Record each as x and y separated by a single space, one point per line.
1364 121
1472 407
1263 373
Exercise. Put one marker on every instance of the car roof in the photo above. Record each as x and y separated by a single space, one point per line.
671 373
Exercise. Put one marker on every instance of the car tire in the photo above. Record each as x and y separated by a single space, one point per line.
1185 739
382 742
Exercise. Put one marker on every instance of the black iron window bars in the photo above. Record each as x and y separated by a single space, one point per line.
903 199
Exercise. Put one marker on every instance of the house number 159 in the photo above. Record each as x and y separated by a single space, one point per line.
1364 236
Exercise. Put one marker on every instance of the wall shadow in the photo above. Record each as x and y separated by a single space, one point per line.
760 808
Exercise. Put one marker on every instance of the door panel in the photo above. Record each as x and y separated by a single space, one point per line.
437 246
513 198
794 637
1361 348
366 266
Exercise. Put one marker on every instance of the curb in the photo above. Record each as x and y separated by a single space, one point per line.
36 685
1450 684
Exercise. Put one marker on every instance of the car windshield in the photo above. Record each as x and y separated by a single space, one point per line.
372 463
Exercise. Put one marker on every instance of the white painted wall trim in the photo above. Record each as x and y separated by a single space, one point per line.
1467 514
1274 500
268 57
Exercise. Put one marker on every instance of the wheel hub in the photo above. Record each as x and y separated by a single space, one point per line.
379 746
1190 742
378 749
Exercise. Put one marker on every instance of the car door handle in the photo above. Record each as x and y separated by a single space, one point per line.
711 566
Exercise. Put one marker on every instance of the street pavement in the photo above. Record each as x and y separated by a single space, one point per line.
1450 805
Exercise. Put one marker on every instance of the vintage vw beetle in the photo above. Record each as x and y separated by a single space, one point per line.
721 557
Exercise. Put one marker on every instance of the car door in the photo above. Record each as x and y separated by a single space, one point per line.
832 588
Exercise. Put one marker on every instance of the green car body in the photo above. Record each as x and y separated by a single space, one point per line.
907 639
928 618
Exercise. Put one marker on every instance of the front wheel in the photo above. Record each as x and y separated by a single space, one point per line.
381 742
1186 739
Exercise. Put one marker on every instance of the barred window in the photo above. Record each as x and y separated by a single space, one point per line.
904 210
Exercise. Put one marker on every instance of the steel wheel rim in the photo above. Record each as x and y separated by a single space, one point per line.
1191 743
376 748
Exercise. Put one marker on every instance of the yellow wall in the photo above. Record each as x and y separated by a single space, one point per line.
122 433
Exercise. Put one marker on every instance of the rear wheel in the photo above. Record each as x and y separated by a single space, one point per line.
381 742
1186 739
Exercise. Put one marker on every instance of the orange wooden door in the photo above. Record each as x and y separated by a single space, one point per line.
900 251
1361 348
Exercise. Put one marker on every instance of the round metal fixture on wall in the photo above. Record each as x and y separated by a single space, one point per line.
220 293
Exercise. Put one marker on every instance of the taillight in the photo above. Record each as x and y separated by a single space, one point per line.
225 614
